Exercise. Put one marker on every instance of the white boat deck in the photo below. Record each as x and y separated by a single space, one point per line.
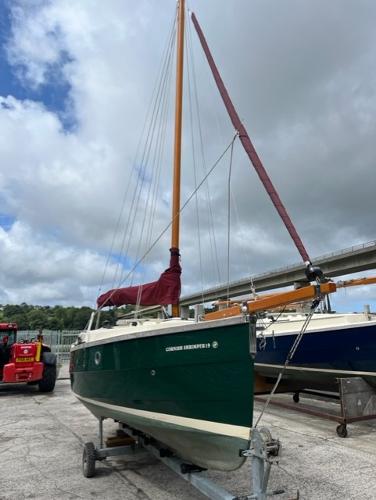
138 328
292 322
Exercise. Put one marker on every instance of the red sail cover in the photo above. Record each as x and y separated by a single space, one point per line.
162 292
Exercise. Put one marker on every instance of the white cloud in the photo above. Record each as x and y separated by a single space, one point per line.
41 270
302 77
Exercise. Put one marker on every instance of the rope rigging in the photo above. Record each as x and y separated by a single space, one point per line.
155 167
290 355
140 201
191 118
153 190
229 221
154 133
209 212
184 205
145 165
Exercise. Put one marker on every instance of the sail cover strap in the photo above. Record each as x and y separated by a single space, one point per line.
164 291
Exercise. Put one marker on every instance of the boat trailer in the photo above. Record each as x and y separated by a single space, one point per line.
263 450
356 397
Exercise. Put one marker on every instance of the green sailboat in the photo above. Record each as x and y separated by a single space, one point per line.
188 384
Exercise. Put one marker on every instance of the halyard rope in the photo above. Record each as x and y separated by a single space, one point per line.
170 223
229 222
150 118
289 357
212 237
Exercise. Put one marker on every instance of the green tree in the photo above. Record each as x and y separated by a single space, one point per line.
37 319
81 318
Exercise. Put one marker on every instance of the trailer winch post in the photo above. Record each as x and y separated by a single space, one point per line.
264 450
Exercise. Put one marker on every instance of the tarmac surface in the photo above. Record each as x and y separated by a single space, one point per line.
41 440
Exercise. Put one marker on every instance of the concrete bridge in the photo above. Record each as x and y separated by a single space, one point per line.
350 260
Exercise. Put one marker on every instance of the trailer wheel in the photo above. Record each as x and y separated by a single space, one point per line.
47 383
88 460
342 430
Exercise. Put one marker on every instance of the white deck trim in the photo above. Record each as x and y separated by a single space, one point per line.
120 333
339 327
192 423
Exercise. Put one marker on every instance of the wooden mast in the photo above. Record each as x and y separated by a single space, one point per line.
177 143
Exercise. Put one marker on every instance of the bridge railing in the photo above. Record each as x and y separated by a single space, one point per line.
298 265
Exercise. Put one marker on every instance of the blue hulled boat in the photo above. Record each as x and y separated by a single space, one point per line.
334 345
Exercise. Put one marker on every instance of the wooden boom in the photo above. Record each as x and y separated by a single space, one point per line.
356 282
272 301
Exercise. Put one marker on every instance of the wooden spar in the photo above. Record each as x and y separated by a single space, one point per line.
249 148
272 301
357 282
177 142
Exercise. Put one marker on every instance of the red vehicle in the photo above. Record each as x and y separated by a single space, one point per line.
30 362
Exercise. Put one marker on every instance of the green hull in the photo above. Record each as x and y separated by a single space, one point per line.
190 388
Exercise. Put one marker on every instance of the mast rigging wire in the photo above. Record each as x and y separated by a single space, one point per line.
142 177
155 166
289 356
152 197
229 221
249 148
141 171
245 254
141 259
194 163
212 237
117 227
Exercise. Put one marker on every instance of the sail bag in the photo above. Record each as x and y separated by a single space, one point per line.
164 291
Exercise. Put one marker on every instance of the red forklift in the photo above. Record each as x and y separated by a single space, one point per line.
30 362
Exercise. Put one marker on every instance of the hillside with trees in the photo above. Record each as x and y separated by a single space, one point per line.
30 317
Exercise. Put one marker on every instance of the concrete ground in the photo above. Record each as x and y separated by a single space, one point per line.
41 438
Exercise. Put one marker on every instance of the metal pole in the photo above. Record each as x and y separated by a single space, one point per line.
101 432
259 488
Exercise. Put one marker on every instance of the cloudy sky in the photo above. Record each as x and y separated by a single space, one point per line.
76 83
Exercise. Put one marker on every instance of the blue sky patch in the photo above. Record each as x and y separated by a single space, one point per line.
54 94
121 259
7 221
